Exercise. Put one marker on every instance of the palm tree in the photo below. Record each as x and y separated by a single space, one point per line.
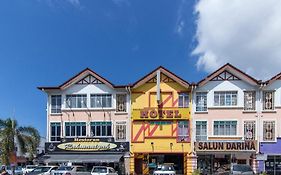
27 139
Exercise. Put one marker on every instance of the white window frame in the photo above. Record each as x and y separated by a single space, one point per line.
76 96
275 130
205 108
104 96
253 101
185 96
103 123
185 137
219 135
125 105
225 94
201 130
57 108
263 100
56 134
122 124
255 129
70 135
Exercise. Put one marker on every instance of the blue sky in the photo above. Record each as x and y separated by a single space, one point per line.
46 42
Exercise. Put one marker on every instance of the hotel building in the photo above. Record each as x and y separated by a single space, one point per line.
160 128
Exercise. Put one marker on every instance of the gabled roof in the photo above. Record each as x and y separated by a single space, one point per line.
78 77
163 70
276 77
230 69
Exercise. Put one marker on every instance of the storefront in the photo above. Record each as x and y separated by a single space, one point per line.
272 157
216 156
88 152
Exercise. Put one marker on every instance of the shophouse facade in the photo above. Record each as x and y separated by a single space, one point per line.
160 128
270 122
225 115
88 122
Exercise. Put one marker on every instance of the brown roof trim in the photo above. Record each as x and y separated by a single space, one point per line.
210 76
274 78
70 81
151 73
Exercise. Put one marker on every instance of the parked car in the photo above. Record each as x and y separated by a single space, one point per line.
164 169
241 169
28 168
17 170
103 170
43 170
71 170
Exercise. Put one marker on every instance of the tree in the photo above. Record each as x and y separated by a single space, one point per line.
27 139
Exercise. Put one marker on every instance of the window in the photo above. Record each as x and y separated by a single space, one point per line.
75 129
201 101
76 101
183 131
101 100
225 98
121 102
225 127
268 100
101 129
55 131
249 130
183 100
268 130
249 100
201 130
120 131
56 104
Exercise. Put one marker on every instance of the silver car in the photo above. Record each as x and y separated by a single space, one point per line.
165 169
103 170
71 170
43 170
241 169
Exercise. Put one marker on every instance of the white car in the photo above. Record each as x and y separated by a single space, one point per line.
241 169
164 169
71 170
28 168
43 170
103 170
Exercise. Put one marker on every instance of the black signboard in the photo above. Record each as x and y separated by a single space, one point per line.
86 145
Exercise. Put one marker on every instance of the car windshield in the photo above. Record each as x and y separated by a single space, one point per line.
30 167
165 168
242 168
41 169
64 168
100 170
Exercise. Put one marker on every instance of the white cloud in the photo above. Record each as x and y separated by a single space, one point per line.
246 34
74 2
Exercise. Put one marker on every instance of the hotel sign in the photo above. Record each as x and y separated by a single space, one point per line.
226 146
86 145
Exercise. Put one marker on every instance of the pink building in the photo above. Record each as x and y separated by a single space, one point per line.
88 122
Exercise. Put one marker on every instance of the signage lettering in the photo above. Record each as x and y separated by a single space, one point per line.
87 146
226 146
160 114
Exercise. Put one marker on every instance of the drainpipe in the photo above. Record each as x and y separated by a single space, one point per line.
158 86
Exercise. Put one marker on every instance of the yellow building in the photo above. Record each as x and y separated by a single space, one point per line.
160 116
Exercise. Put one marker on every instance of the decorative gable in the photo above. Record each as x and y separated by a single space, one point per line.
89 79
225 76
163 78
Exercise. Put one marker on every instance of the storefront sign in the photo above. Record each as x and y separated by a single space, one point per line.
226 146
86 145
159 114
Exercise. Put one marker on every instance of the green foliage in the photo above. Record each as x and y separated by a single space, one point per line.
196 172
26 138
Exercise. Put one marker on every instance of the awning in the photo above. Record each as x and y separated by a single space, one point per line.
82 158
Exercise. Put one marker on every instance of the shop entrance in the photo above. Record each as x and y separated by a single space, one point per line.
273 165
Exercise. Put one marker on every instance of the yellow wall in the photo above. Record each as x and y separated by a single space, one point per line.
146 136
